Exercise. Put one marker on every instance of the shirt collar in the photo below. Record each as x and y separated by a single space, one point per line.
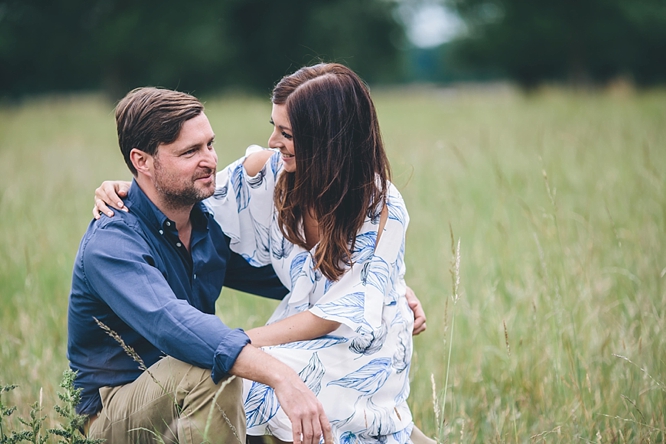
138 202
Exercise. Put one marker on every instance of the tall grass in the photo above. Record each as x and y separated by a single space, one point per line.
559 202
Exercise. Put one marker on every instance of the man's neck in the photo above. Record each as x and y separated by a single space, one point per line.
180 216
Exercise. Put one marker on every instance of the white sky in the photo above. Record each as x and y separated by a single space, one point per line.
430 24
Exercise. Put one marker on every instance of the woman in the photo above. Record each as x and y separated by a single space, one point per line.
320 208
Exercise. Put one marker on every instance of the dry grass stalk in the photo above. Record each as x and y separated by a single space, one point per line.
506 338
435 403
226 418
129 350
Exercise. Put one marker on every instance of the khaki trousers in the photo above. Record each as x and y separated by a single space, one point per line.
176 408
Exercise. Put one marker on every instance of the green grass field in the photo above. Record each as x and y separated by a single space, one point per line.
558 330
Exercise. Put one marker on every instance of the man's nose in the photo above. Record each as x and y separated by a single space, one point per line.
210 158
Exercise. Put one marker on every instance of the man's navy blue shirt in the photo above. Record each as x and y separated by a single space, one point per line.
133 275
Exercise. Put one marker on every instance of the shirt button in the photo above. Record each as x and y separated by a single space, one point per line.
178 244
161 232
168 224
195 275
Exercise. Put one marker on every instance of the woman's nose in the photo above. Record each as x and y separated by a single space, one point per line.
274 140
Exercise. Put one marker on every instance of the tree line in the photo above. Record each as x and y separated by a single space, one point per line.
205 46
198 46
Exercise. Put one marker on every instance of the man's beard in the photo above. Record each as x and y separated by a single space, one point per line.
178 195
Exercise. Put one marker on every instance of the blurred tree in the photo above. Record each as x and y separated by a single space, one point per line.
198 46
278 37
582 41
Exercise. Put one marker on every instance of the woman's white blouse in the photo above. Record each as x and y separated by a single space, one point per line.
359 372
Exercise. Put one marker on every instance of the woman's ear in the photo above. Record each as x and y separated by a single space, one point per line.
142 161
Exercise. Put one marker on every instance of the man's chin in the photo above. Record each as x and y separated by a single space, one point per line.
207 190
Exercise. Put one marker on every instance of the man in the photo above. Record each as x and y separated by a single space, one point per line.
151 277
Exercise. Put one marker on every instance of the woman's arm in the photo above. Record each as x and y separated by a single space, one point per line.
254 162
299 327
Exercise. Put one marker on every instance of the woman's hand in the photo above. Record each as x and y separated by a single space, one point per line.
417 308
110 193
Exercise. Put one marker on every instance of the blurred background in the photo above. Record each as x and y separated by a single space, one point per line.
207 46
526 137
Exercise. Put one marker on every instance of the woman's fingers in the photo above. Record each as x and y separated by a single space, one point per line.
99 208
110 193
419 313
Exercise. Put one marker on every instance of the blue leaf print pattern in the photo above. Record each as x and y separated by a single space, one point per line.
348 438
221 192
256 181
261 404
369 341
327 285
403 394
381 423
242 194
364 247
275 164
251 260
404 435
367 379
296 269
397 212
313 373
350 307
376 273
402 355
280 247
261 243
316 344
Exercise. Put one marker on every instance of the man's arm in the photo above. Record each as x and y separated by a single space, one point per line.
261 281
120 270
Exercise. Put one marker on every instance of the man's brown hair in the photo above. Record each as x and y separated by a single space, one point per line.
147 117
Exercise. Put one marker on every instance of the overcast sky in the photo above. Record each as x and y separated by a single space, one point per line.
430 24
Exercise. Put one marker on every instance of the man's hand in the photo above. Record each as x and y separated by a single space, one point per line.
308 420
417 308
110 193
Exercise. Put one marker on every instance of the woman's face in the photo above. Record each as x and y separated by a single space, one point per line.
282 138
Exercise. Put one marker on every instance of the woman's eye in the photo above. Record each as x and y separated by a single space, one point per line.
286 136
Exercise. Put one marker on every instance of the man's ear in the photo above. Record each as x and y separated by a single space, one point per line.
142 161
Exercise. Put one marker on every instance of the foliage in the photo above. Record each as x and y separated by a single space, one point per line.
72 423
8 436
581 41
70 430
200 46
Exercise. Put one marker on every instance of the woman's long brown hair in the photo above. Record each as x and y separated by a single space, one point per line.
341 166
